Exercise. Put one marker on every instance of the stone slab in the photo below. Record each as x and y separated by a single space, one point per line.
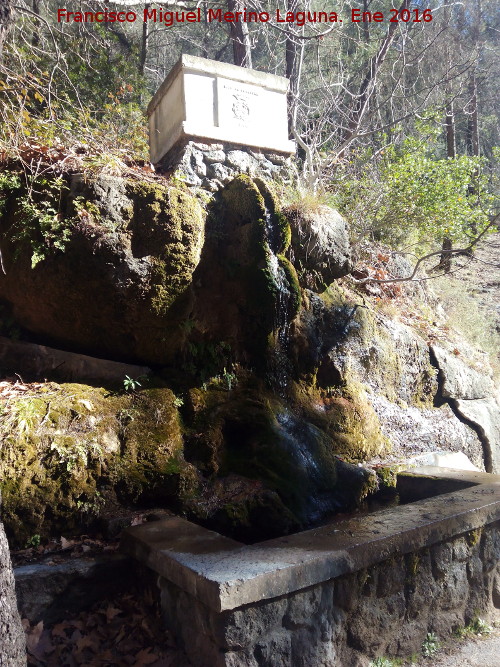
224 574
211 100
39 362
50 591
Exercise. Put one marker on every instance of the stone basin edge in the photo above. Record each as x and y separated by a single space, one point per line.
225 574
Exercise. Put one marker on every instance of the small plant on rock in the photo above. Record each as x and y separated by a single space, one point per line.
34 541
431 645
131 384
476 627
386 662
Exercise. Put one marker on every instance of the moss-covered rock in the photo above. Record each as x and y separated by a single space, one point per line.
68 449
168 226
120 285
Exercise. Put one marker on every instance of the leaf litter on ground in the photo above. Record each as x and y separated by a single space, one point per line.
126 631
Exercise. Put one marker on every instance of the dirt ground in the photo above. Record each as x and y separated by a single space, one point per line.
481 651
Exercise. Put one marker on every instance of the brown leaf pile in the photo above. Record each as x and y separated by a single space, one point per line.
12 388
123 632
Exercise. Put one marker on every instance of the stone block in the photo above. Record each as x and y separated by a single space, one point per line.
241 161
308 649
274 650
217 101
391 578
303 606
241 628
219 172
491 549
375 622
214 156
346 592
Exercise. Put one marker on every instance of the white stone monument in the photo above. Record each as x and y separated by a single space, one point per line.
216 102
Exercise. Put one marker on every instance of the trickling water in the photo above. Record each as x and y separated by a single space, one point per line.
280 366
303 441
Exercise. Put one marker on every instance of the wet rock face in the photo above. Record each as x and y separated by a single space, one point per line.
381 367
320 242
460 380
471 395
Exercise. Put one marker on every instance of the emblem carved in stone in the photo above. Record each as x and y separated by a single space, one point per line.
240 108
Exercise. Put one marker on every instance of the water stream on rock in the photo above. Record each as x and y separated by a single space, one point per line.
279 365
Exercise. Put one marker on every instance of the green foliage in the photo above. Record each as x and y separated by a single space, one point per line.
34 541
206 359
476 627
94 103
386 662
131 384
407 194
431 645
39 222
9 182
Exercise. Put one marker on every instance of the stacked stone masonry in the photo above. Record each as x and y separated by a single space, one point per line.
384 610
338 595
212 165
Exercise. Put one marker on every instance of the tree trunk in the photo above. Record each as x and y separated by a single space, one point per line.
451 152
292 67
368 83
144 43
6 18
472 124
242 54
12 642
35 38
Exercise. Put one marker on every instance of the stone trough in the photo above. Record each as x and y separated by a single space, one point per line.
340 594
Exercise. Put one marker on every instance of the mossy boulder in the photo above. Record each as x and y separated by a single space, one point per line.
68 450
320 242
242 277
120 285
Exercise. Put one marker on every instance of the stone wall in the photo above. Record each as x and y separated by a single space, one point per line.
212 165
384 610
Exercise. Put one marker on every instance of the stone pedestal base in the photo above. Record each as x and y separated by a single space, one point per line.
212 165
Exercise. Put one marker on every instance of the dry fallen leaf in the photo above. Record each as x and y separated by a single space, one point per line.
145 657
66 544
33 635
111 612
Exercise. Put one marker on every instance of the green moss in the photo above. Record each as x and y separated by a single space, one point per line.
413 564
279 220
243 202
285 232
58 448
168 225
351 422
473 537
387 477
293 284
368 488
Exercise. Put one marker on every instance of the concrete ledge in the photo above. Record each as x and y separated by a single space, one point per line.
224 574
